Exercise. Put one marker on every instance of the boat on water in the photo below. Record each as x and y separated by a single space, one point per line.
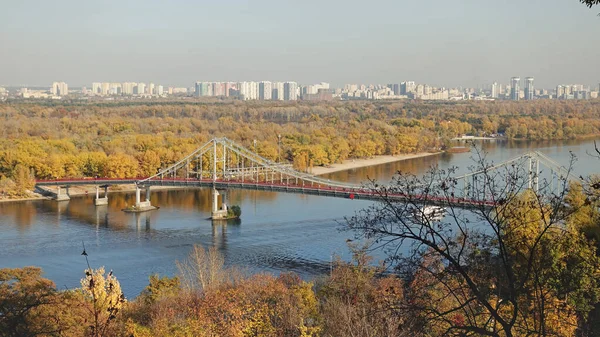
430 213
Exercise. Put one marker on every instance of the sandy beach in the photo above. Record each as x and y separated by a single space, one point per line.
356 163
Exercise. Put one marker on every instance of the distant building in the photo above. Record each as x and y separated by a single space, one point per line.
529 89
127 88
203 89
321 95
515 88
60 89
265 90
105 89
139 89
290 91
277 91
248 90
96 88
494 92
407 87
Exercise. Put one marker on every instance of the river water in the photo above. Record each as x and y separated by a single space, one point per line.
277 231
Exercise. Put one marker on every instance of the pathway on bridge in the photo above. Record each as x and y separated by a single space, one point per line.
223 164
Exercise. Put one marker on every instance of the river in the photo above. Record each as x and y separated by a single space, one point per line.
277 231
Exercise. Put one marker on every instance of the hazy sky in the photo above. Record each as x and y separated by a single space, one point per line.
177 42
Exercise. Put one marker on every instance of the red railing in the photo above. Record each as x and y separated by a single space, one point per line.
324 188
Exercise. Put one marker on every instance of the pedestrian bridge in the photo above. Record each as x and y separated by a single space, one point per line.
222 164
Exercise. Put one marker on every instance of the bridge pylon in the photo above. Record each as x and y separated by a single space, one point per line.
218 212
141 206
104 200
62 195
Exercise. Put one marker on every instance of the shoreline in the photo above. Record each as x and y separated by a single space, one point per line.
350 164
82 191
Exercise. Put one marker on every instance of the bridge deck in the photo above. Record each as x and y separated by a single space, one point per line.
310 189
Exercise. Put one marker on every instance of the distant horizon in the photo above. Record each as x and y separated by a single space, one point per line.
592 86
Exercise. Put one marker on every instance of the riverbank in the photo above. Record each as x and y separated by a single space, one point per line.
358 163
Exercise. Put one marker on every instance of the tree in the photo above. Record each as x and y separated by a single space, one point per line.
121 166
590 3
236 211
26 302
103 298
508 268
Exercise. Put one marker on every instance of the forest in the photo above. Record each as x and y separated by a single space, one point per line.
52 140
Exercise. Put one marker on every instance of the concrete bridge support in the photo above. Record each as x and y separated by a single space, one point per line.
218 212
141 206
62 195
104 200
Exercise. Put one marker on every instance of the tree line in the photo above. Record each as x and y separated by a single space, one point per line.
56 140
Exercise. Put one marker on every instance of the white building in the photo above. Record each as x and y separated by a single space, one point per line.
265 90
105 89
96 88
127 88
290 91
139 89
60 89
277 91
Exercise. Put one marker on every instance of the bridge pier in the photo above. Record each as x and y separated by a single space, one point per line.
218 213
62 196
104 200
141 206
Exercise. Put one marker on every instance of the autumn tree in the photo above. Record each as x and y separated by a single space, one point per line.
103 300
356 300
28 304
506 268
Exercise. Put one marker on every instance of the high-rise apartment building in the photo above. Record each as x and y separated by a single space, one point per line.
265 90
277 93
97 88
105 89
515 88
290 91
151 88
559 91
115 89
218 89
247 90
494 92
529 90
140 89
204 89
407 87
127 88
60 89
197 88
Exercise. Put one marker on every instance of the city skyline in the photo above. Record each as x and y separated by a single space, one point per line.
445 44
516 90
